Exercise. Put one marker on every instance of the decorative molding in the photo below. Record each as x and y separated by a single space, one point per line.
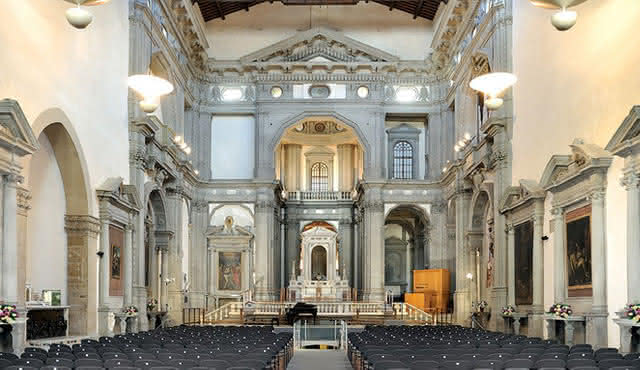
81 224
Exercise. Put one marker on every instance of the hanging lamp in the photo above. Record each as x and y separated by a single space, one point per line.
564 19
79 17
492 85
151 88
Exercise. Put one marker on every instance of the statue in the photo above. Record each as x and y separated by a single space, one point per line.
293 269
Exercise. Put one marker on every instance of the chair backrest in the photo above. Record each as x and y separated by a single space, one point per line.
58 362
8 356
580 363
608 364
424 365
551 363
21 367
29 362
183 364
4 363
218 364
87 362
488 364
145 364
461 364
89 368
117 362
608 356
382 365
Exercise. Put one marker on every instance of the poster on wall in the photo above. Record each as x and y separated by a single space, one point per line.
578 247
229 271
523 254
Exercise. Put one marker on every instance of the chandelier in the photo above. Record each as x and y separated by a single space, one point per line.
81 18
151 88
492 85
564 19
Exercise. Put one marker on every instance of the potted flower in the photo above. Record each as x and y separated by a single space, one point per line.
8 314
508 310
130 311
152 304
632 312
561 310
482 305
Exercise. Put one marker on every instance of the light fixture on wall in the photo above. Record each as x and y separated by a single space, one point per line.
151 88
462 143
564 19
79 17
492 85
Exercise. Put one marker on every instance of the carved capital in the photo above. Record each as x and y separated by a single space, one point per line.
438 207
498 158
13 179
82 224
374 205
24 200
630 180
597 195
557 211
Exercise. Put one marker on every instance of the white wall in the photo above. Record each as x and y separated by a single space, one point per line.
395 32
232 147
45 63
580 83
47 240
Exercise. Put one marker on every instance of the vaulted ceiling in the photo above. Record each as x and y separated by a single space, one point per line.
213 9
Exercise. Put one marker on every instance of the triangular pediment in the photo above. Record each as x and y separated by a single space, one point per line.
319 45
15 132
126 196
627 135
318 231
584 157
516 196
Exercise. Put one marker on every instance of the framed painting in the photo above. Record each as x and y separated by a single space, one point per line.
116 262
230 271
523 256
115 256
578 247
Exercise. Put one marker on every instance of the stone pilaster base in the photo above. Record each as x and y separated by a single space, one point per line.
373 295
536 325
499 300
104 322
19 334
626 334
597 329
462 307
140 301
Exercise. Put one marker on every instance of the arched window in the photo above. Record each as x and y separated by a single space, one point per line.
402 160
319 177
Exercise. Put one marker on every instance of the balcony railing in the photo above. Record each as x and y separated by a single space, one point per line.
319 195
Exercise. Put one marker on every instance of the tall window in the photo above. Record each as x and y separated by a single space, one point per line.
402 160
319 177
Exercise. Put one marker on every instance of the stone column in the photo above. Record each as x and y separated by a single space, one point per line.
198 253
355 276
345 167
137 156
292 167
104 328
559 270
373 251
598 335
631 182
264 256
174 256
128 265
536 322
462 295
511 268
291 251
346 248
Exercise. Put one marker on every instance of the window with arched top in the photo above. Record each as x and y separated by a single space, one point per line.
402 160
319 177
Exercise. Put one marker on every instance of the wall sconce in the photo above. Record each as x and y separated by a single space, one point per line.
463 143
492 85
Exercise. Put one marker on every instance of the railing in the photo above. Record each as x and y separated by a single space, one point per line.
319 195
413 313
334 334
193 316
225 312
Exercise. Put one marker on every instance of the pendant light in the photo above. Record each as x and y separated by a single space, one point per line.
492 85
151 88
79 17
564 19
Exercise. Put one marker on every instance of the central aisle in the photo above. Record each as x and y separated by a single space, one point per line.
318 359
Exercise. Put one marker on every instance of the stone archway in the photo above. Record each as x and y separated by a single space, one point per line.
80 226
481 245
156 247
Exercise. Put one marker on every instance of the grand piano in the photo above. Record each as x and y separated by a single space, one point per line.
301 310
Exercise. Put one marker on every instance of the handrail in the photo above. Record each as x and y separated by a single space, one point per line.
319 195
414 313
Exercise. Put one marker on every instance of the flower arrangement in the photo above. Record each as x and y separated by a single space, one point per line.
482 305
508 310
152 304
130 311
561 310
8 314
632 311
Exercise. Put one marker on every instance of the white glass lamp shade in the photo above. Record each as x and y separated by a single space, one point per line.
556 4
78 17
492 85
151 88
564 19
88 2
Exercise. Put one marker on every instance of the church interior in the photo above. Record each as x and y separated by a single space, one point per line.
319 184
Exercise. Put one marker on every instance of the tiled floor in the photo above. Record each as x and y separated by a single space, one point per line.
316 359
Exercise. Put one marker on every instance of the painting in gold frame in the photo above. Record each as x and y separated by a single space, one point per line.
578 252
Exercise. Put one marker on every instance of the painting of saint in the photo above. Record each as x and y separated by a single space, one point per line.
523 255
490 256
578 224
229 271
115 262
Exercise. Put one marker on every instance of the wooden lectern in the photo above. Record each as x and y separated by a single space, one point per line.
431 288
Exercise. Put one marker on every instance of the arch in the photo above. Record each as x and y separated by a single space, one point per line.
319 176
402 156
308 114
319 261
55 124
244 207
481 201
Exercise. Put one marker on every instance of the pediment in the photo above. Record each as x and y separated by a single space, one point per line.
517 195
114 189
562 168
319 45
318 231
403 129
15 132
395 242
218 232
319 151
627 135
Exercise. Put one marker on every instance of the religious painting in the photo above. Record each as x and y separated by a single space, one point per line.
523 255
114 260
229 271
319 263
578 247
491 261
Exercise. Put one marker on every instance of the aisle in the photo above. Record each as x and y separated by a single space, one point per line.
318 359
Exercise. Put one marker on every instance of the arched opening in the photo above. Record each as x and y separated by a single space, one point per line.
402 160
319 263
405 247
60 233
481 240
319 154
154 239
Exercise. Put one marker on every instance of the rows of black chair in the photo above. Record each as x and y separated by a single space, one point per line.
177 348
458 348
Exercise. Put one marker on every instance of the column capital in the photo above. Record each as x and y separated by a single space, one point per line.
24 200
13 179
597 195
557 211
83 224
630 180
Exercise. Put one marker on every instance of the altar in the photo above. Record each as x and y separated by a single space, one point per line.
316 275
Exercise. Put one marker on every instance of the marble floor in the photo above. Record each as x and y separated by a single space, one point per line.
317 359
